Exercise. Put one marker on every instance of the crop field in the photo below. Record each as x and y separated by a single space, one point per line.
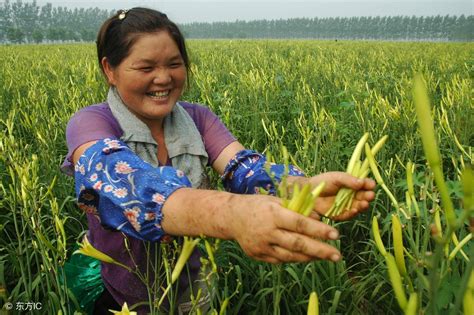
317 99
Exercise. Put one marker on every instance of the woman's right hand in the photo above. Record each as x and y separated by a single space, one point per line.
268 232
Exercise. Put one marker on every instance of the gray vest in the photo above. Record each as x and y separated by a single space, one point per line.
183 140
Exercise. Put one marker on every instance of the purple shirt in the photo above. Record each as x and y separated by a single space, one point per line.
97 122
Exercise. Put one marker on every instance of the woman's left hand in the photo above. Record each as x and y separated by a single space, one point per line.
334 182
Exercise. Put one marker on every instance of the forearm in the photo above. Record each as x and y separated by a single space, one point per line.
196 212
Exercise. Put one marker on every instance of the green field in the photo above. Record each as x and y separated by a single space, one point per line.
317 98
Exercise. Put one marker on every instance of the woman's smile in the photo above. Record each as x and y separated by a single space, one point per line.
159 94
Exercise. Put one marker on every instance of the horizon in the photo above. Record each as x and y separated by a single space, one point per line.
203 11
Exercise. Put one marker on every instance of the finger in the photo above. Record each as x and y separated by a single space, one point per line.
354 183
314 215
369 184
307 246
337 180
268 259
357 206
367 195
285 255
343 179
346 215
300 224
362 200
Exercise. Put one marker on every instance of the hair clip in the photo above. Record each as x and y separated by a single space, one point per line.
122 14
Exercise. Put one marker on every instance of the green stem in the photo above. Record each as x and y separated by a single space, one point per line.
276 273
463 286
437 273
444 194
20 250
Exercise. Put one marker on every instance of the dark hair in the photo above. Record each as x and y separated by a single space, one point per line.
119 33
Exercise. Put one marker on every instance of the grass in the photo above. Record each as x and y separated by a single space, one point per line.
315 97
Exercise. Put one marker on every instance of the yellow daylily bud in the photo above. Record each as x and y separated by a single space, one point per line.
398 244
396 281
356 168
412 306
456 243
294 196
298 200
377 238
425 122
364 169
357 152
378 178
223 308
458 247
373 165
311 198
313 304
210 253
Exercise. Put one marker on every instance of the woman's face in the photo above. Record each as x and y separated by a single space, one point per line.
151 79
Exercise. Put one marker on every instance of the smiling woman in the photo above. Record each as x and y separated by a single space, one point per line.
151 79
140 164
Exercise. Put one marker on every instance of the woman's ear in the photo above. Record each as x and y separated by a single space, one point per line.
108 70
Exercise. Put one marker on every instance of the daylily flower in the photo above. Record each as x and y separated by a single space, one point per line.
124 310
89 250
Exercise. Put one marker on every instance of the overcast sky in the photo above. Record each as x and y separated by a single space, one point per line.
185 11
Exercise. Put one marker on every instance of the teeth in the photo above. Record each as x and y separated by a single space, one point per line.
159 93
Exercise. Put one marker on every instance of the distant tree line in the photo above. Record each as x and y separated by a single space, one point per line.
455 28
26 22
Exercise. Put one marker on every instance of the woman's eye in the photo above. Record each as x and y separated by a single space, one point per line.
176 65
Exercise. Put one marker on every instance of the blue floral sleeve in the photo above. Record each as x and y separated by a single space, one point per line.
246 173
125 192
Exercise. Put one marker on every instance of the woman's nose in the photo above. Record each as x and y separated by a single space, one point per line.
162 76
